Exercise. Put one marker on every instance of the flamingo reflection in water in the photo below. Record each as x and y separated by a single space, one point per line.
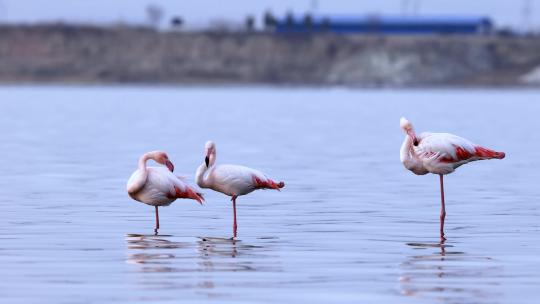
448 275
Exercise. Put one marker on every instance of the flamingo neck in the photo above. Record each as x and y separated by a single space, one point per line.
142 162
405 151
200 178
212 158
143 171
409 158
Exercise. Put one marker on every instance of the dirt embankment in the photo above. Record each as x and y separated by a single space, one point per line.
61 53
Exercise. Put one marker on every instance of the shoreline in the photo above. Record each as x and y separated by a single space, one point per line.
83 54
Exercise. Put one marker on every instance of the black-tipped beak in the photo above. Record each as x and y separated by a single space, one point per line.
207 161
169 165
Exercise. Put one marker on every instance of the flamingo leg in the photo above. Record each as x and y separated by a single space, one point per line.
157 221
235 226
443 210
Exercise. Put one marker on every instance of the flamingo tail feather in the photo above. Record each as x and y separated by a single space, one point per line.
267 184
488 154
190 193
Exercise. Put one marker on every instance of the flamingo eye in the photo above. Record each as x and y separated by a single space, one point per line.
415 143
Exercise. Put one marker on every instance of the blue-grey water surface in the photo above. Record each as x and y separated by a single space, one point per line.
351 225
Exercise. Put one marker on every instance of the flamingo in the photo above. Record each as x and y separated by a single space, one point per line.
158 186
439 153
231 180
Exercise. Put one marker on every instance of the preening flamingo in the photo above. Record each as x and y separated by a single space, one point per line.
232 180
439 153
158 186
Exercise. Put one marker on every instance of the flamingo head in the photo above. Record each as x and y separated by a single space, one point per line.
210 150
407 127
162 158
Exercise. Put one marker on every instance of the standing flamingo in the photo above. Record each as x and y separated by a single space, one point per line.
439 153
157 186
232 180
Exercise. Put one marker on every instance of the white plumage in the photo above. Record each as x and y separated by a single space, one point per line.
158 186
231 180
439 153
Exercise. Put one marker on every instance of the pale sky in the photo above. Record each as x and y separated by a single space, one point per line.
199 12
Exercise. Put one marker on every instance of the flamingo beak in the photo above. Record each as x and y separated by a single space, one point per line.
169 165
207 161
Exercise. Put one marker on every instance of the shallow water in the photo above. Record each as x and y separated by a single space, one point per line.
351 225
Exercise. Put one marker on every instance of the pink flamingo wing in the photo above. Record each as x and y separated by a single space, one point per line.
451 148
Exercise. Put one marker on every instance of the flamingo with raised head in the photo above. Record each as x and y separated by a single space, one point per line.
439 153
231 180
158 186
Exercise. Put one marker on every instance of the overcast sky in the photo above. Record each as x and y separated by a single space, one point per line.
199 12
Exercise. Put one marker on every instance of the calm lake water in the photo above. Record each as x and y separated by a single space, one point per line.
351 225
